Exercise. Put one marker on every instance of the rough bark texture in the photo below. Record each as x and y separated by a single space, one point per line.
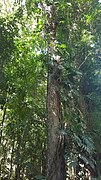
55 142
55 154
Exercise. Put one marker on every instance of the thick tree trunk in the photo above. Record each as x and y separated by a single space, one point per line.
55 142
55 152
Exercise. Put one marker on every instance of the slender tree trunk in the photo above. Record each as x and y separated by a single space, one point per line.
43 161
18 165
1 139
17 173
11 163
2 123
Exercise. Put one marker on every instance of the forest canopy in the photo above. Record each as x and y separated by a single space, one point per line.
50 89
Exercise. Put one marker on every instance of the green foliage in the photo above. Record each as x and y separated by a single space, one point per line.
24 63
23 127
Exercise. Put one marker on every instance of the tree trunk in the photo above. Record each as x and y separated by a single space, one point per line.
55 141
55 152
18 157
11 161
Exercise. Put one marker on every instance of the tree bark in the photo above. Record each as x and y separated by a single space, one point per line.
55 140
55 152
